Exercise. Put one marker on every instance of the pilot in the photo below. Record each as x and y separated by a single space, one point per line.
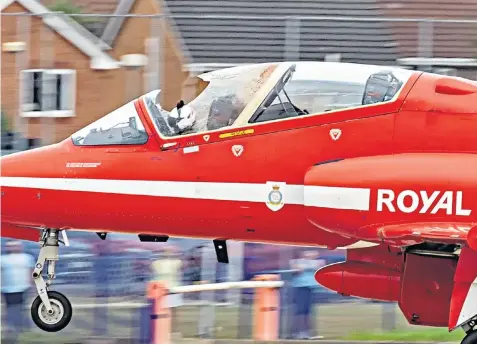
224 111
180 119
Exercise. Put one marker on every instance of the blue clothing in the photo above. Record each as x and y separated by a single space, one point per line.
305 278
16 320
17 272
303 300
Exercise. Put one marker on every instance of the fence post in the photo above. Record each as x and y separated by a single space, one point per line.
101 287
161 315
207 311
266 310
389 316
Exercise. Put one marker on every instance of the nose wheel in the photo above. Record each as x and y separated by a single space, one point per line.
51 311
54 319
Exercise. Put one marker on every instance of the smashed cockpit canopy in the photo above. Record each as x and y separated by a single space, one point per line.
223 99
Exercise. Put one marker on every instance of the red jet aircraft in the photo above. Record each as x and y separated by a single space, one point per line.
378 160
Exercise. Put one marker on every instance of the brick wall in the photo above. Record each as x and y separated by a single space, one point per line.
97 92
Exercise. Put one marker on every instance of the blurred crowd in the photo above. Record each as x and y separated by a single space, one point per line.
168 263
17 268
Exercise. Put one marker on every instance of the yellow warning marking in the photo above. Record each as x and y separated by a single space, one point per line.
236 133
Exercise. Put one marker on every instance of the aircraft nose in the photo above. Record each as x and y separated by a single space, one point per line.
11 164
37 162
20 197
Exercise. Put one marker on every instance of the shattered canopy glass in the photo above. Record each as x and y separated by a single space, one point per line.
227 94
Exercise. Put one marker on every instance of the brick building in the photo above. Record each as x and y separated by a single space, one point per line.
65 77
83 78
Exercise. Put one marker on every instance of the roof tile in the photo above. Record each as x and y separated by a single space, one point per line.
448 40
241 38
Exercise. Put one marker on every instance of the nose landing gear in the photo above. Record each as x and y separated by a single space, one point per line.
51 311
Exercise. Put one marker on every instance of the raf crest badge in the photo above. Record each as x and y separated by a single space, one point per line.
275 195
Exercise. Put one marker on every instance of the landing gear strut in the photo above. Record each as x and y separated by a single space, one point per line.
51 311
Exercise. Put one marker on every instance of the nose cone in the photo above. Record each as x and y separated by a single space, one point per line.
21 203
39 162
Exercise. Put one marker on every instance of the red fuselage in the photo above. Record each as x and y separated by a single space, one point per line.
423 142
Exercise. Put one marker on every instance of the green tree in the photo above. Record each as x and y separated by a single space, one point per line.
5 125
67 7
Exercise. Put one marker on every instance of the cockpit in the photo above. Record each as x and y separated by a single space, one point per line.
224 98
122 126
239 96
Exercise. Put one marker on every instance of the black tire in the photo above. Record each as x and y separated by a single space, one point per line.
470 338
56 299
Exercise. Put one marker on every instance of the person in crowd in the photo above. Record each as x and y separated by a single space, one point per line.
17 268
303 282
168 269
192 271
221 277
192 274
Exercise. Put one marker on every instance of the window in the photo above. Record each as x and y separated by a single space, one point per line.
235 97
48 93
122 126
317 88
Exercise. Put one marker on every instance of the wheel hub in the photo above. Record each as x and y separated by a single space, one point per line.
52 316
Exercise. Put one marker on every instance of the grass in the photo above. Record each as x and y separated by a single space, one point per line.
349 322
430 335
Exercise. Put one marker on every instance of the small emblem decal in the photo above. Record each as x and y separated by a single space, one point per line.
335 133
275 199
206 137
237 150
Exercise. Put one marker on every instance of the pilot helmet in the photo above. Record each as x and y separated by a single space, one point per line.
182 117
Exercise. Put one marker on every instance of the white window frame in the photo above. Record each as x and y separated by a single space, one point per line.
48 113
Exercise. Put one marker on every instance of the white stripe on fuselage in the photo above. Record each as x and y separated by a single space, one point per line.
316 196
338 197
